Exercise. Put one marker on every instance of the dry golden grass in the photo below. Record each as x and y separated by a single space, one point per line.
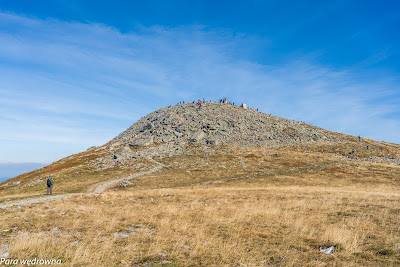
224 207
205 225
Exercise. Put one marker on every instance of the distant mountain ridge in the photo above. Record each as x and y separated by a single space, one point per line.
10 169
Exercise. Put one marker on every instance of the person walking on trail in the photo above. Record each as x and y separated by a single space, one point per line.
50 183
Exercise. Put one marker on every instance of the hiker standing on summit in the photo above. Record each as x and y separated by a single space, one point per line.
50 183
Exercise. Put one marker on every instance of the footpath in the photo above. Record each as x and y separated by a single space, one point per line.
96 189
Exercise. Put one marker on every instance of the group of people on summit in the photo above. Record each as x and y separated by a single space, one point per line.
221 101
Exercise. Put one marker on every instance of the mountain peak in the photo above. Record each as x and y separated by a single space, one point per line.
219 123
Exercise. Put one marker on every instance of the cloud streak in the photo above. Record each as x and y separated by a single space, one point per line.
75 84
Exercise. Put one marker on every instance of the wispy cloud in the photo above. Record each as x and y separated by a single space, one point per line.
81 84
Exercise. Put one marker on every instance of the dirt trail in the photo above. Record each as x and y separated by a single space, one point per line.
100 188
96 189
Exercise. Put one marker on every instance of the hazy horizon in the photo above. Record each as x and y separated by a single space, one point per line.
10 170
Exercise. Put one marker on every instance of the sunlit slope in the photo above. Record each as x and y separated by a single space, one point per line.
72 174
223 205
214 134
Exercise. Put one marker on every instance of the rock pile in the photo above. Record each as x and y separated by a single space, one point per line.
215 123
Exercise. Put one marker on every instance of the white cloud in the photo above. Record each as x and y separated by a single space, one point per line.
75 83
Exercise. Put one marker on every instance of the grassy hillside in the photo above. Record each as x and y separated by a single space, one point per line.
221 206
73 174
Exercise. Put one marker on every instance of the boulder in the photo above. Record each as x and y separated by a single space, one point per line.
143 142
115 144
5 255
197 136
123 150
124 183
167 137
212 142
148 126
4 250
244 106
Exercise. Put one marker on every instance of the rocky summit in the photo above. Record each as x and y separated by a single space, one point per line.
219 123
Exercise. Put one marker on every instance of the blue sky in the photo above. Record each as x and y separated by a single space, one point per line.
76 73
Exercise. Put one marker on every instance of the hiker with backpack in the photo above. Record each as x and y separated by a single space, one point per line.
50 183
